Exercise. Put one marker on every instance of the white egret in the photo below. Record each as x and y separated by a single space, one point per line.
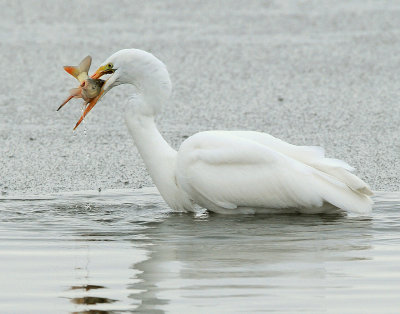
227 171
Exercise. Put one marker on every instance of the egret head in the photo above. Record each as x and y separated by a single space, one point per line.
138 68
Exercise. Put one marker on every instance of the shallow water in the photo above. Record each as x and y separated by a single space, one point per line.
122 250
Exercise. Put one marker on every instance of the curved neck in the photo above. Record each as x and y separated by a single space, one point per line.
158 156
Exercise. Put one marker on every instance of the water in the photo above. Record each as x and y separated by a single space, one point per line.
121 250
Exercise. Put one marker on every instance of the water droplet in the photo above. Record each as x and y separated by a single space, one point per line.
83 121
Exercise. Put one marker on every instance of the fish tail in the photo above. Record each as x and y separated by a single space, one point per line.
83 67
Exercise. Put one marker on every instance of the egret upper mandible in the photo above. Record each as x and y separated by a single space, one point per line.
227 171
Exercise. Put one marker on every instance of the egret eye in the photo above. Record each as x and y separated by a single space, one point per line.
110 66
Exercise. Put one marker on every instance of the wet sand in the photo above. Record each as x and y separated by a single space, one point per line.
310 73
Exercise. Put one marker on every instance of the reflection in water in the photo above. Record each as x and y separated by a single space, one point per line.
93 312
201 261
123 251
91 300
87 287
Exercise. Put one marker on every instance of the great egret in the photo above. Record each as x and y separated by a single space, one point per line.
223 171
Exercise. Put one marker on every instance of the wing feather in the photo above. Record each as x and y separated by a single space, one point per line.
223 170
313 156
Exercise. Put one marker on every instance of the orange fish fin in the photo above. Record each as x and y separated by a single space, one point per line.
65 101
74 71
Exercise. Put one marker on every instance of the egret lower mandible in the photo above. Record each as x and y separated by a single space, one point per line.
227 171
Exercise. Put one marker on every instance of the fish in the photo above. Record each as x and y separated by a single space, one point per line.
89 88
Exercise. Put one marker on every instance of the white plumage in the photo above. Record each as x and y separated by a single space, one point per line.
229 172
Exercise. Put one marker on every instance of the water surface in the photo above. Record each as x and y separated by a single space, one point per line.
122 250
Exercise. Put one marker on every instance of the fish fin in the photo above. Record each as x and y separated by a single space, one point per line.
76 92
84 66
74 71
73 93
65 101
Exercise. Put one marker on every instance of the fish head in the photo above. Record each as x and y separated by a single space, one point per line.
91 88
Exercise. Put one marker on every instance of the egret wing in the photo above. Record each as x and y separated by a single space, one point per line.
313 156
222 170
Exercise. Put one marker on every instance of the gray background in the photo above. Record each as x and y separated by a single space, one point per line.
309 72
